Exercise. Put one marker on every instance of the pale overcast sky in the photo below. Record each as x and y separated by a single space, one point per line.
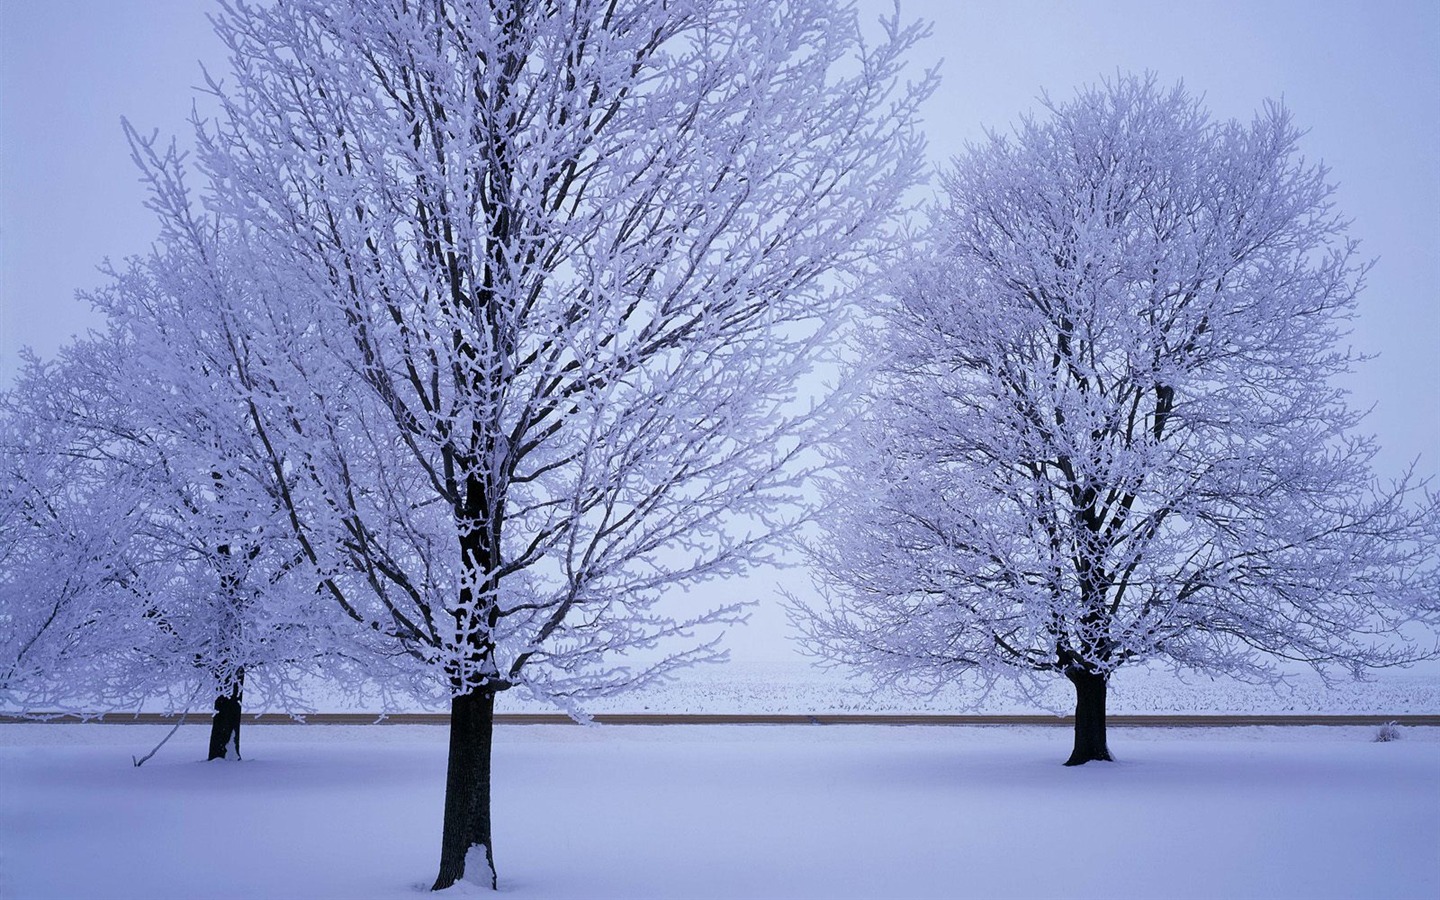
1364 77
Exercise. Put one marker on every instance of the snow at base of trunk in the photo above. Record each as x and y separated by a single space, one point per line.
477 867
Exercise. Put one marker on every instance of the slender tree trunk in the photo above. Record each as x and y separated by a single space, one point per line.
1089 717
465 845
225 727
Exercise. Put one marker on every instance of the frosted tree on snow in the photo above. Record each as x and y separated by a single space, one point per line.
135 558
126 574
1104 427
142 550
544 277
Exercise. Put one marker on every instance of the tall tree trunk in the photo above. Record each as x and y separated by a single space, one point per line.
465 845
225 727
1089 717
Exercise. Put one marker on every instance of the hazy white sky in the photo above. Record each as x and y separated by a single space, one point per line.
1364 77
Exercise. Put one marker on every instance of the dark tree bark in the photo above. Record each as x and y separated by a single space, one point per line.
225 727
465 841
1089 717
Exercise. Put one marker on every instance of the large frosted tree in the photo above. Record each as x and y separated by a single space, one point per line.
1105 426
542 277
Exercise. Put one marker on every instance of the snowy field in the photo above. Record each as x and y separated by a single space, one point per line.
796 686
727 812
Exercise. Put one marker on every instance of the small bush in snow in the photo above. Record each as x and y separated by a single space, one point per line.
1387 732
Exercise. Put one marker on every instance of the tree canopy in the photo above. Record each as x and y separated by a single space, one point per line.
529 289
1106 427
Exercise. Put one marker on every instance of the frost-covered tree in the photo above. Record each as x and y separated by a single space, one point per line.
133 561
139 556
1105 426
545 276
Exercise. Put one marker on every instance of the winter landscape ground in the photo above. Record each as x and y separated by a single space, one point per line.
794 685
729 811
743 811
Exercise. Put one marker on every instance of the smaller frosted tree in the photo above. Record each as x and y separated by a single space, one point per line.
139 557
135 564
1105 428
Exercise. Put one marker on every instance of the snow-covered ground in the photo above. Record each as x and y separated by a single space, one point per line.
732 811
795 686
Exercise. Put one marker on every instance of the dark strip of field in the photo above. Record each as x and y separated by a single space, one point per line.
1123 720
